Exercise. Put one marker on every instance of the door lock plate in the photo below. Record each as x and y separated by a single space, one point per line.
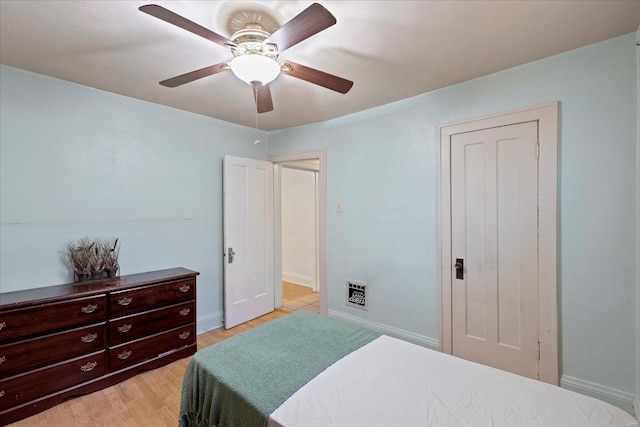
459 268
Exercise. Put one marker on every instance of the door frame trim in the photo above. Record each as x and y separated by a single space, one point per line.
322 220
547 117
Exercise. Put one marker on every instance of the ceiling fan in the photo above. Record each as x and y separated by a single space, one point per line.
255 52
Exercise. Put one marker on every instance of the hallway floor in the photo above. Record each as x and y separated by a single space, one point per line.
298 297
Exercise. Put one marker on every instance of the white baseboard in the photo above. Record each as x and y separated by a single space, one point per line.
209 322
298 279
421 340
622 400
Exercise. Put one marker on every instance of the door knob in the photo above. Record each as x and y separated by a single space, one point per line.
459 268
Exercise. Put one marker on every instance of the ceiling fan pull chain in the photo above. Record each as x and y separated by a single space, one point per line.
255 94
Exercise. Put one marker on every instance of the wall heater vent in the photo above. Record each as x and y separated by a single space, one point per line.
357 294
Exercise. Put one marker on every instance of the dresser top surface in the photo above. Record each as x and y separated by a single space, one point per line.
34 296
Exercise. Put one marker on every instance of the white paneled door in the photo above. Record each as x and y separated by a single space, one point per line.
248 239
494 247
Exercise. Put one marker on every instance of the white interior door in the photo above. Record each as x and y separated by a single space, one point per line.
494 234
248 239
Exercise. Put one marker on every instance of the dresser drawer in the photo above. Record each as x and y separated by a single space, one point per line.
151 322
29 321
36 352
26 387
143 349
141 299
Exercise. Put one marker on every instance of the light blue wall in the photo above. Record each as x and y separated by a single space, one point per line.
382 167
76 161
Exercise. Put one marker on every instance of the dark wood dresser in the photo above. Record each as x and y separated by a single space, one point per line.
63 341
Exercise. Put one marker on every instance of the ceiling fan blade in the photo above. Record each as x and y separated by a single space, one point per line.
318 77
179 21
262 94
310 21
194 75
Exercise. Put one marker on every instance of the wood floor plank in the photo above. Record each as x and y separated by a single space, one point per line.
150 399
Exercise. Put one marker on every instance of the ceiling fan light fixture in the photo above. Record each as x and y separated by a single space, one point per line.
255 68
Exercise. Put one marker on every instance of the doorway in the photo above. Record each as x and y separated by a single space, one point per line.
498 185
312 162
299 229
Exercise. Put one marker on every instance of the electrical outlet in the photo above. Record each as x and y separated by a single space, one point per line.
338 207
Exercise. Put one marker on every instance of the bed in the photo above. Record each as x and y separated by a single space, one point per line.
305 369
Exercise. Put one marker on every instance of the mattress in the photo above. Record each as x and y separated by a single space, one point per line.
390 382
310 370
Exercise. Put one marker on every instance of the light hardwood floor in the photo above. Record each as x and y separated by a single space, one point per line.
298 297
151 399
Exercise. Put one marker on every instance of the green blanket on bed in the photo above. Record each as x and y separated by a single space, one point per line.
243 379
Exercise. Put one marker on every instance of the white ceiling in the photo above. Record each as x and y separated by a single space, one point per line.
391 49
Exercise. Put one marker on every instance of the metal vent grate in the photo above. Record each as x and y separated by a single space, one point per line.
357 294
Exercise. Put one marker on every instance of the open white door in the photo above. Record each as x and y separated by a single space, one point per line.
248 239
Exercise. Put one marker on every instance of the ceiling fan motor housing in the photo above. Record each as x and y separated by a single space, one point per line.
249 41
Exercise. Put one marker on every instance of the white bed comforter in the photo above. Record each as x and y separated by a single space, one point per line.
389 382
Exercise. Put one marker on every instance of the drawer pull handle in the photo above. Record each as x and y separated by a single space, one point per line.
184 288
2 325
125 328
3 359
185 311
1 393
89 308
184 335
124 355
125 301
89 338
88 367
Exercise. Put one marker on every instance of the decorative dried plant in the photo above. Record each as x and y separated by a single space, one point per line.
93 257
80 255
97 261
110 251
